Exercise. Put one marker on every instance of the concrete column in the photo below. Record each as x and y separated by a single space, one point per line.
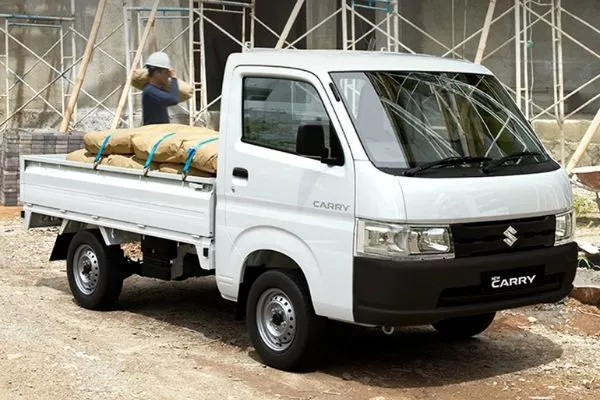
324 37
381 40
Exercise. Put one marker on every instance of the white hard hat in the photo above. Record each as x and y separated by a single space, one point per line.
159 59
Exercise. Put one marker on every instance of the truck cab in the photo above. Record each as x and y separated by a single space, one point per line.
379 189
408 189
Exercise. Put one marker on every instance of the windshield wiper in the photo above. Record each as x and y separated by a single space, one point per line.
515 156
445 162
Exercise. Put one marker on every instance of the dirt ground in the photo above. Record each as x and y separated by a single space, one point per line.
180 341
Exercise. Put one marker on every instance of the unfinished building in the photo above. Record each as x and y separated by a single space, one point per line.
546 52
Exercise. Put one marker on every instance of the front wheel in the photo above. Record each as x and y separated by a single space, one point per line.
280 319
93 271
465 327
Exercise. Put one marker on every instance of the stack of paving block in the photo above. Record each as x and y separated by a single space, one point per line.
18 142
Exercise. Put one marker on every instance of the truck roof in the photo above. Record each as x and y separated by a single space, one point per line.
324 61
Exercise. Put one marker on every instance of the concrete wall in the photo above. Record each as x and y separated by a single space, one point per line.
550 134
579 66
435 16
39 40
104 75
219 46
326 36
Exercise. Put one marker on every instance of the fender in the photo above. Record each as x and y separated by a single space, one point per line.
282 241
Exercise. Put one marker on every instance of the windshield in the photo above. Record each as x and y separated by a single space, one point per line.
407 119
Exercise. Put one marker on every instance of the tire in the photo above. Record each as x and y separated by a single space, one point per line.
281 321
93 271
464 327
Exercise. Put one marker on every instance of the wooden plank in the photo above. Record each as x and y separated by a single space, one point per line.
585 142
289 24
486 30
87 56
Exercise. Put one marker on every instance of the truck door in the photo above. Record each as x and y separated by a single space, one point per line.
288 184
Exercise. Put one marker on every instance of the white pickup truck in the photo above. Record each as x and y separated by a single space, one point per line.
378 189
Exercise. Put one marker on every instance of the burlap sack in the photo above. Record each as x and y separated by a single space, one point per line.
171 168
127 161
170 149
120 141
84 156
130 161
113 160
118 160
206 156
140 79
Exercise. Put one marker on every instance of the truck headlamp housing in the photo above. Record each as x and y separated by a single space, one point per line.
378 239
565 228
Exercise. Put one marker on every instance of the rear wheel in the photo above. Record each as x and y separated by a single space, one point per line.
93 271
280 319
465 327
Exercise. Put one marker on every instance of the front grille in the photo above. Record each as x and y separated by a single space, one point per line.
485 238
476 295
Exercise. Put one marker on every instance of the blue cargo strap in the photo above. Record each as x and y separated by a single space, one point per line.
153 150
101 149
192 153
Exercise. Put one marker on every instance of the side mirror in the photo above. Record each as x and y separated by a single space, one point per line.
332 161
310 142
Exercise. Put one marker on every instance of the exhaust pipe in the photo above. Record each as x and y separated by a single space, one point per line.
388 330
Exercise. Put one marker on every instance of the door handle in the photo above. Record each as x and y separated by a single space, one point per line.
240 173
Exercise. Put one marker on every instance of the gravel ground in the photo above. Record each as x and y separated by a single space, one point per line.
179 341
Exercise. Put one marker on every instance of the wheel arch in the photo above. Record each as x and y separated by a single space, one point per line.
255 264
70 228
262 248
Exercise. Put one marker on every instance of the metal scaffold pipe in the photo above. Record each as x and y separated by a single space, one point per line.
36 17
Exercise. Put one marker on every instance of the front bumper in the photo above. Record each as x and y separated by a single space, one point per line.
399 293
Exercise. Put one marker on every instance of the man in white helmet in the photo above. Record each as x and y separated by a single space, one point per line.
155 99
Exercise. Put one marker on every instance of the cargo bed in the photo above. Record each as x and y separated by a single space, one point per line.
156 204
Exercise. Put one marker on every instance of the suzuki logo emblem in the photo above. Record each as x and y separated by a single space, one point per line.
510 233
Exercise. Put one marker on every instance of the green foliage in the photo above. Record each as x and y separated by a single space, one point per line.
276 134
254 126
583 262
583 205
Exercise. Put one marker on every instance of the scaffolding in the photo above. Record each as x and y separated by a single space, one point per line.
360 24
65 27
134 21
64 73
192 20
526 13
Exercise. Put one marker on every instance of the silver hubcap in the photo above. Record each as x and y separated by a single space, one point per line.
86 269
276 319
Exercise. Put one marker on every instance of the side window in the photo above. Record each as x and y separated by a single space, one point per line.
289 116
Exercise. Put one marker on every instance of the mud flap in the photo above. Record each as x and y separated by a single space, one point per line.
61 246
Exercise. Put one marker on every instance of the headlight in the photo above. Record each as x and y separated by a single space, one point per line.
565 227
391 240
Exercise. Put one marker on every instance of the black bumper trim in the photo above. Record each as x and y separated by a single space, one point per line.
397 293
